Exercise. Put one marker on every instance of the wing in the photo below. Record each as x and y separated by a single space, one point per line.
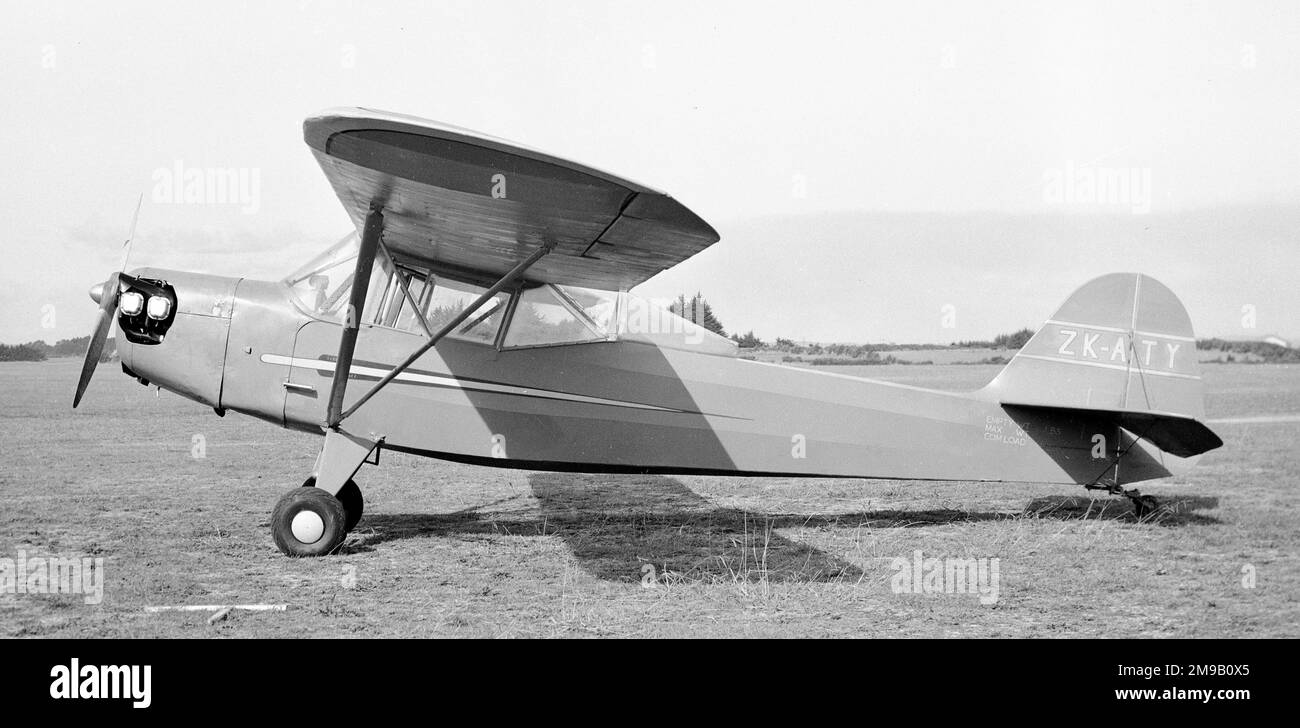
461 201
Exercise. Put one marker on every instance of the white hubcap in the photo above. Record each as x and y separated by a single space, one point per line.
307 527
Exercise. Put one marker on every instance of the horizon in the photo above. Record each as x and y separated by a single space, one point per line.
734 281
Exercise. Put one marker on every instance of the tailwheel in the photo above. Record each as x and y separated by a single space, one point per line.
308 522
1143 505
350 497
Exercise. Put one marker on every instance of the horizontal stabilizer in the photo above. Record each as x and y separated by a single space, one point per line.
1178 435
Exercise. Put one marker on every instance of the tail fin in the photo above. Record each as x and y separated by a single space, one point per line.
1122 344
1122 341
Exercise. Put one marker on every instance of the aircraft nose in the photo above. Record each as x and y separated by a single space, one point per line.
97 292
177 329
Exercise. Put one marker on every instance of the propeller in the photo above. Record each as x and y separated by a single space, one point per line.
106 294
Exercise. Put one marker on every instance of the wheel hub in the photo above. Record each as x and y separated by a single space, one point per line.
307 527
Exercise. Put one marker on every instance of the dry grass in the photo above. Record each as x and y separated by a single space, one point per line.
452 550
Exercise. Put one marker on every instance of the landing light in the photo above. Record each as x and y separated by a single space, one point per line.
131 303
159 307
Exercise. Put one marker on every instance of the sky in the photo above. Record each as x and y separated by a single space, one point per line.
908 172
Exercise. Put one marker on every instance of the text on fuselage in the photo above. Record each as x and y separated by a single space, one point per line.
1099 346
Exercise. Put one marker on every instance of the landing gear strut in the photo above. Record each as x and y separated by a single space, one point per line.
1143 505
350 497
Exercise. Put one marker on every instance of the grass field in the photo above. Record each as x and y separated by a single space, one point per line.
455 550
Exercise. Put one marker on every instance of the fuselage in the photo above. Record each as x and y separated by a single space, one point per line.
631 404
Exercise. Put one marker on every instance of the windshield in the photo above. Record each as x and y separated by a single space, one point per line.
405 298
322 284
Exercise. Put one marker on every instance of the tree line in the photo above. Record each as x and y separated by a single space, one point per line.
40 351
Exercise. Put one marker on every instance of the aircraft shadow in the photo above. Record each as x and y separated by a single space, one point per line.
617 525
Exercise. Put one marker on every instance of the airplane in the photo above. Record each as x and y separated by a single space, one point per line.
481 313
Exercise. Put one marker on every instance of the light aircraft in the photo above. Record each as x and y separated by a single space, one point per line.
481 313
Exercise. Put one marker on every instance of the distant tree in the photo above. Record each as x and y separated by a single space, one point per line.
40 351
788 345
71 347
1266 351
22 352
698 311
440 316
747 341
1016 340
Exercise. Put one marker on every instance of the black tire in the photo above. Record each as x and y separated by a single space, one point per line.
1144 506
350 497
314 500
353 504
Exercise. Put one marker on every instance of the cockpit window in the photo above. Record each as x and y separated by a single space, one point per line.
601 307
547 315
544 315
420 289
435 300
451 297
323 287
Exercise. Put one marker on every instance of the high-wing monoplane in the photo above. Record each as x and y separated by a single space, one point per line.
481 312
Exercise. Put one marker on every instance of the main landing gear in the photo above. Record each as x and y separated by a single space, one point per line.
1143 505
308 521
314 519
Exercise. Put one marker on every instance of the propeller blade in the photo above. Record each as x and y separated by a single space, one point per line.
103 322
126 247
106 295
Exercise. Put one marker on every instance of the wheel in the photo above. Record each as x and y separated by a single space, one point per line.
350 497
1144 505
308 522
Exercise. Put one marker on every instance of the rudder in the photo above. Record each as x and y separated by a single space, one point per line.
1121 342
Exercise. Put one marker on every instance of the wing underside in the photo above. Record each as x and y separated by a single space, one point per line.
459 201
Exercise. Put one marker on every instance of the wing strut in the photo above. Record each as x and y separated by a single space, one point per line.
341 373
352 320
